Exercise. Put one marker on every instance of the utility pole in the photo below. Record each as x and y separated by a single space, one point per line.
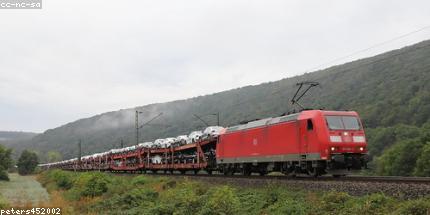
147 123
122 143
137 127
80 153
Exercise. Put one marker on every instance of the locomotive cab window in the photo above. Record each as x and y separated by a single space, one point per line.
343 123
310 125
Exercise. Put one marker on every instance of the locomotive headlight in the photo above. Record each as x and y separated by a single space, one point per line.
335 139
333 148
361 148
358 139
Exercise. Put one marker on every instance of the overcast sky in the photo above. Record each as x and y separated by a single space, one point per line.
74 59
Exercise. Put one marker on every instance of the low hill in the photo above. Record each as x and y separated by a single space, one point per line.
15 135
16 140
386 89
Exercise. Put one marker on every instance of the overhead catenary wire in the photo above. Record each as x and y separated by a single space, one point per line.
368 48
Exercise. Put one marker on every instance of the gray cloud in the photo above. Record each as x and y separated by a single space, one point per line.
74 59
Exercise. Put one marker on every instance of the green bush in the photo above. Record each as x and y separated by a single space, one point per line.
138 196
93 184
418 206
62 179
184 197
221 200
400 159
334 201
27 162
159 209
423 162
89 184
288 206
141 180
253 201
3 175
375 204
129 199
5 162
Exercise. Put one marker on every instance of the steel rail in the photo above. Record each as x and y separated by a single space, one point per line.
351 178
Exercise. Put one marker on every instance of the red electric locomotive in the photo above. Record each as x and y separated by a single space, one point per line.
314 142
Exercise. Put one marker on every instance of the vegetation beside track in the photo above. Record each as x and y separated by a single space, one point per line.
22 191
102 193
3 202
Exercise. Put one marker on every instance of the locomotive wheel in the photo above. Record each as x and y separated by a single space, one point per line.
246 170
262 169
183 172
315 172
196 171
209 172
247 173
228 172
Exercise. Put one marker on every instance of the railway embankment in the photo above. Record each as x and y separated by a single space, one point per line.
105 193
397 187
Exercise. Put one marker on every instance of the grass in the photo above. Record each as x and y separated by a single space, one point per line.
101 193
3 203
23 191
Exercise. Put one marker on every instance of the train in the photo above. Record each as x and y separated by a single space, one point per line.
310 142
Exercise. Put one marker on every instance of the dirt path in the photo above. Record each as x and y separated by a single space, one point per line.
23 191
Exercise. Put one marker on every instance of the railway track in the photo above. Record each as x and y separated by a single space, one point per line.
351 178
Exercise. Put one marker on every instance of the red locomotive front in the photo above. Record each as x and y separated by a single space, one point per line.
313 142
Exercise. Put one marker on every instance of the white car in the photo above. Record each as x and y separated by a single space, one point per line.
182 139
169 141
213 131
158 143
145 145
156 159
195 136
130 148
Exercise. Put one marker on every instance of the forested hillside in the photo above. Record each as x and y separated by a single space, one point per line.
16 140
15 135
388 90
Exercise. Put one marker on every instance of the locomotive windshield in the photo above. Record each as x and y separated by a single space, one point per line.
343 123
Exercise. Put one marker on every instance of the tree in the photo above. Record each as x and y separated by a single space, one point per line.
5 162
423 163
400 159
27 162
